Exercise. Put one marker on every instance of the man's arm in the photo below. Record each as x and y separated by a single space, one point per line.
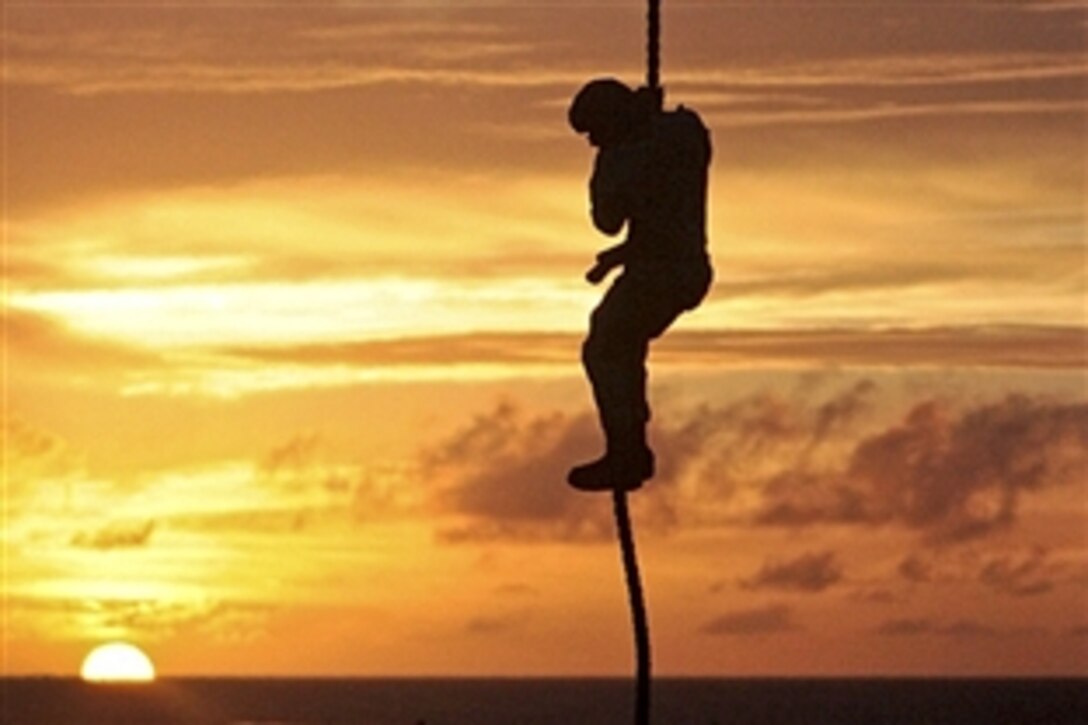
608 190
607 260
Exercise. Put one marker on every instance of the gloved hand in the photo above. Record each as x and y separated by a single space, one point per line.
607 260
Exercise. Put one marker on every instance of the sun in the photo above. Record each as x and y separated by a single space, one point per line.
117 662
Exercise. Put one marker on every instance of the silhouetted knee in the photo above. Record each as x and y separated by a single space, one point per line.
595 357
612 359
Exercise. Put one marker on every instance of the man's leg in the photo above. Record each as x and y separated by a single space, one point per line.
614 355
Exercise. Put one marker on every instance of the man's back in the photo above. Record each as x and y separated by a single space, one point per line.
668 216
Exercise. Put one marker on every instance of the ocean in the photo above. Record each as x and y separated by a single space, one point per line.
225 701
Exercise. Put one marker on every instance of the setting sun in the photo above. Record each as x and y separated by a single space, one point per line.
117 662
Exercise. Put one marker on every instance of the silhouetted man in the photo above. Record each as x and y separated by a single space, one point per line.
650 174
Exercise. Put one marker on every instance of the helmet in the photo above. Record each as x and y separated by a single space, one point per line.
600 102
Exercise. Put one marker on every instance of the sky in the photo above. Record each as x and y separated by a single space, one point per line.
293 301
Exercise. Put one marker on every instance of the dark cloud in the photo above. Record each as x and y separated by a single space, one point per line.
915 569
1020 576
811 572
948 472
730 447
876 595
951 474
771 619
497 624
1020 572
838 413
516 589
923 626
505 474
120 535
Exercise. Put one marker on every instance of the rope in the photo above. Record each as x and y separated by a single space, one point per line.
653 45
638 607
619 497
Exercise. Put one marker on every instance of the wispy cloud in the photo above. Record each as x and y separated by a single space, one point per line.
1024 571
505 355
275 52
927 627
1020 576
496 625
148 620
119 535
811 572
37 340
759 621
1040 348
878 70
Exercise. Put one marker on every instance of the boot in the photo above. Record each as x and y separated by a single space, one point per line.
615 471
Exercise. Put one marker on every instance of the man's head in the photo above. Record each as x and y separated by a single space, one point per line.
604 109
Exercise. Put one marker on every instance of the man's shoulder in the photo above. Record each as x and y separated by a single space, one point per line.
684 118
685 127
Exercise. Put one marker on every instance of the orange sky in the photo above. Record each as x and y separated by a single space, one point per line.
293 302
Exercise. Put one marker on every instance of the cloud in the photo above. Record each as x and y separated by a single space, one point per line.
516 589
949 474
1043 347
141 618
34 457
300 487
960 628
495 624
1018 572
898 111
1019 576
495 348
771 619
837 414
311 49
505 474
32 452
310 483
498 354
290 463
915 569
876 595
222 621
294 52
120 535
226 370
811 572
36 341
